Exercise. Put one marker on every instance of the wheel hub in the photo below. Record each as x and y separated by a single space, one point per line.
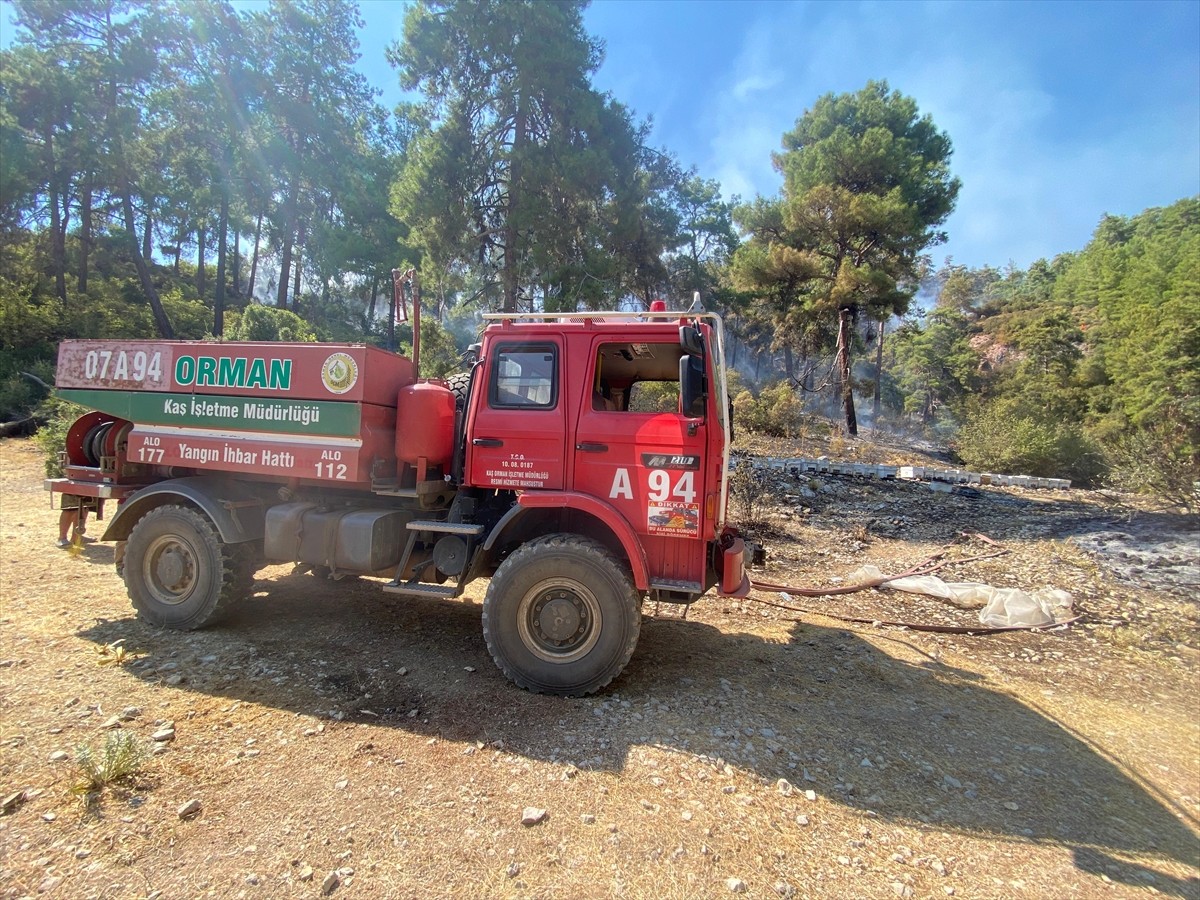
170 569
560 619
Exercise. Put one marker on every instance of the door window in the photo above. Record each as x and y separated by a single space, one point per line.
524 378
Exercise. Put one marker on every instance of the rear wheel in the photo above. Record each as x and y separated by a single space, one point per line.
178 572
561 616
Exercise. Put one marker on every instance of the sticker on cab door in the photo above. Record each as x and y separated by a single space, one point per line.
674 519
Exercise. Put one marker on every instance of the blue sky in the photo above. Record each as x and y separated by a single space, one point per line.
1059 112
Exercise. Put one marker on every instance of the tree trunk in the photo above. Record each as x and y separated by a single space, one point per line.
178 255
254 256
125 190
789 363
237 262
85 233
148 238
201 241
58 247
296 275
843 366
875 404
290 206
161 322
222 245
510 228
285 271
369 324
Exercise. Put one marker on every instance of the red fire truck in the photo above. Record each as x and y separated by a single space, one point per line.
581 466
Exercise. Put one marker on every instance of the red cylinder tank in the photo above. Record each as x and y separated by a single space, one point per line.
425 423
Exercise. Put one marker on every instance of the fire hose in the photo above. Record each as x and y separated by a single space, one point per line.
930 564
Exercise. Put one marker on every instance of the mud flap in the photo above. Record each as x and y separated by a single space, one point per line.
734 580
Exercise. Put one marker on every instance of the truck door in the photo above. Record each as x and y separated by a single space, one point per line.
637 451
516 434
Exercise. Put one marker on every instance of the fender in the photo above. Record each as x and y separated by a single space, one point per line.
237 520
585 503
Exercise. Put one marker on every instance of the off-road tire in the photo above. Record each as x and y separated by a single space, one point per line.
561 616
179 574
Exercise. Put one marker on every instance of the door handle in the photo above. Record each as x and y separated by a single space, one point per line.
488 442
591 447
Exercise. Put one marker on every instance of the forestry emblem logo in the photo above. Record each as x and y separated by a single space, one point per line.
339 373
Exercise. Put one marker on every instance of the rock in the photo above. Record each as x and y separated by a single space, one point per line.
532 815
784 787
129 713
305 873
191 808
112 722
736 885
174 680
951 781
900 889
1009 805
59 756
810 795
783 889
49 883
253 879
867 764
801 820
587 819
49 817
11 801
163 735
330 884
513 870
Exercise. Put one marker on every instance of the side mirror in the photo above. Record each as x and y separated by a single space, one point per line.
690 340
692 391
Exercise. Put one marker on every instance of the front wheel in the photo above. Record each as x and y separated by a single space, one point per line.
561 616
179 574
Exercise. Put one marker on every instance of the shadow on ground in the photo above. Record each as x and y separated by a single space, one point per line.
946 750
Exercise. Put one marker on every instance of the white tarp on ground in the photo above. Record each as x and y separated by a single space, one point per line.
998 607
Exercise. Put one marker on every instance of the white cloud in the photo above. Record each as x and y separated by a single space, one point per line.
1038 170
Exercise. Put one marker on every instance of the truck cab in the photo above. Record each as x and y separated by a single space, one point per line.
625 425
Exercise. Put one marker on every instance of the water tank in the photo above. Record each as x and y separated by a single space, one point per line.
425 423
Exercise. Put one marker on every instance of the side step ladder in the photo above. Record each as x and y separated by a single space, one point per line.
414 588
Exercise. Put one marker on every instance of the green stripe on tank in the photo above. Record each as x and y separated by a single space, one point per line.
273 415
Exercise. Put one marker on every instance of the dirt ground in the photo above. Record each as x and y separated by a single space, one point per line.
339 740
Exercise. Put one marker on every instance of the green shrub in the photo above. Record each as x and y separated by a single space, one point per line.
268 323
51 437
777 411
1000 437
